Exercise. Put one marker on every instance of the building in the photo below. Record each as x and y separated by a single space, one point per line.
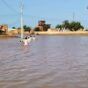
41 23
42 26
3 29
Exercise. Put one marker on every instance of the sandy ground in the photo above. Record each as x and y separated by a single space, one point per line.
63 33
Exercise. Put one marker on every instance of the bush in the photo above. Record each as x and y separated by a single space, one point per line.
36 29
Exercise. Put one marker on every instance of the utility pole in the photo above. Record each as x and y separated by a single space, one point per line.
21 19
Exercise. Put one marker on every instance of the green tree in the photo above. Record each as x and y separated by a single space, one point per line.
26 28
46 27
13 27
36 29
72 26
65 24
59 27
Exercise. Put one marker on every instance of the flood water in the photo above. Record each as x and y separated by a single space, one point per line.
47 62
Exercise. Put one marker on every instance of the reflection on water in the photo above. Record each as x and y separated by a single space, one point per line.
47 62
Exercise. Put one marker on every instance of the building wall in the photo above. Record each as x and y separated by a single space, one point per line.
4 28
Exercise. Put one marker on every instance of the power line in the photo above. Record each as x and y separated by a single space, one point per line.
7 15
41 17
11 8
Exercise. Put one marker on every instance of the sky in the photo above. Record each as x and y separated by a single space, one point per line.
52 11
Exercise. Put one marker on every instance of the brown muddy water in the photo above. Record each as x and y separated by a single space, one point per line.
47 62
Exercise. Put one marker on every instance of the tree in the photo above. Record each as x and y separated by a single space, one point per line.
65 24
26 28
13 27
72 26
36 29
46 27
59 27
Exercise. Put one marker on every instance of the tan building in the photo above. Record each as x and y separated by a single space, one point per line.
42 26
41 23
4 29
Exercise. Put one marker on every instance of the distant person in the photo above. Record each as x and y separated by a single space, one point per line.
26 37
25 41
